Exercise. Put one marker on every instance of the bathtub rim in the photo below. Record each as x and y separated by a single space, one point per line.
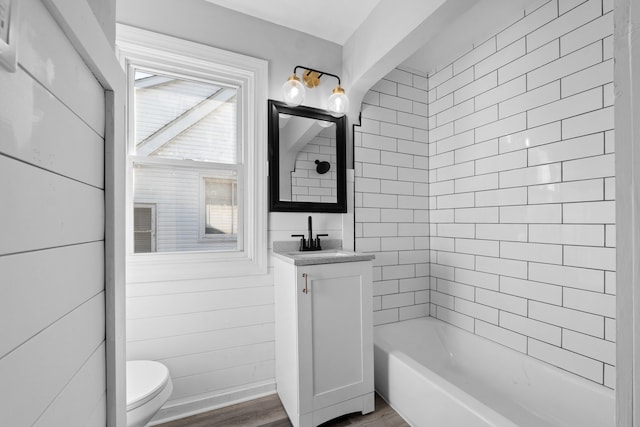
459 393
450 390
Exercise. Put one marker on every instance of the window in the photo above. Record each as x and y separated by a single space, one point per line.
184 128
144 228
197 156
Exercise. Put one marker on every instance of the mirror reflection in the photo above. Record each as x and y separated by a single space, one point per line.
307 159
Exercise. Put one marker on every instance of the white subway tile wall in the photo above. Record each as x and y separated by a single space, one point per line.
518 195
487 190
391 188
521 189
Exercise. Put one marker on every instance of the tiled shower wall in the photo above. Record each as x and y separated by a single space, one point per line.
521 188
391 203
520 171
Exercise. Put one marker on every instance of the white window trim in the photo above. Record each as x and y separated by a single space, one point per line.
146 49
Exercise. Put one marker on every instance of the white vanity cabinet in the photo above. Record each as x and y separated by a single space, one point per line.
324 339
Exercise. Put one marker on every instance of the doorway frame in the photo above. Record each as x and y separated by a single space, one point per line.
627 131
77 21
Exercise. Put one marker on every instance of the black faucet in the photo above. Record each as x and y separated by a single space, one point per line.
310 244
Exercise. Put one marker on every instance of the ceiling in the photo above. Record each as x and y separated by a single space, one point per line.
333 20
337 20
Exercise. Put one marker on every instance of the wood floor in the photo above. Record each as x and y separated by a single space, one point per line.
268 412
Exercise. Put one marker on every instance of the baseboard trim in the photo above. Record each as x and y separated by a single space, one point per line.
209 402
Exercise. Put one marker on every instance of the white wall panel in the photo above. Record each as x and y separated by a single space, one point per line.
215 335
31 123
51 210
52 300
45 52
197 322
40 287
198 363
31 382
165 287
222 380
165 305
85 393
180 345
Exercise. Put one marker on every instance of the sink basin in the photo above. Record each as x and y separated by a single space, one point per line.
320 254
327 256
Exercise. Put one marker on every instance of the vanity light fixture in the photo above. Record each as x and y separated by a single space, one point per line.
293 90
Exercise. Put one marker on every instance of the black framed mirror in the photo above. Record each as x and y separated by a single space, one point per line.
307 160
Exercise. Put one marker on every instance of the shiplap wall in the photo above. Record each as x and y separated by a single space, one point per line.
522 188
215 335
52 303
391 189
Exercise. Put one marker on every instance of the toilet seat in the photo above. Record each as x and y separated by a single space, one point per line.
145 380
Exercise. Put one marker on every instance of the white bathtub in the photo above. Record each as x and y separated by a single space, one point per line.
437 375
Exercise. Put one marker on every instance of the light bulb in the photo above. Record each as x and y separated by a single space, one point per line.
293 91
338 103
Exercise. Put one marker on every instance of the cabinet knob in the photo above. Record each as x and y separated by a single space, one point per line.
306 289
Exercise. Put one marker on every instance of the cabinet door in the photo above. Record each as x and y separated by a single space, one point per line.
335 333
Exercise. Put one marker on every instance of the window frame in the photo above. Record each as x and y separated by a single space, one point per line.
198 166
146 50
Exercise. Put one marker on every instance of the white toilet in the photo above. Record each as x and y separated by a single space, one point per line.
148 388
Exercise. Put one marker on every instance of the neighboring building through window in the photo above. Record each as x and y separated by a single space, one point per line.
186 131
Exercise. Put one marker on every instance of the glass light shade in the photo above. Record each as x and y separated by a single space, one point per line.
338 103
325 124
293 91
